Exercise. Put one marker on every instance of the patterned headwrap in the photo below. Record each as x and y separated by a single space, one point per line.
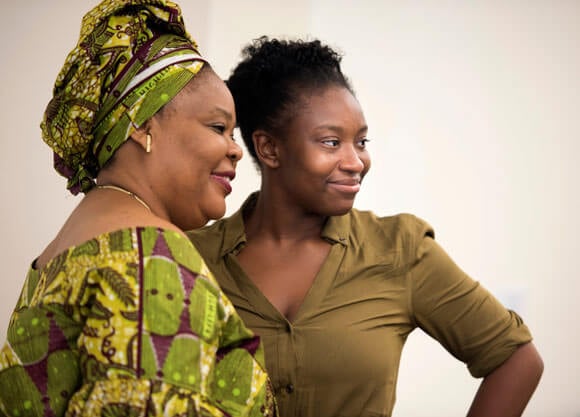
133 56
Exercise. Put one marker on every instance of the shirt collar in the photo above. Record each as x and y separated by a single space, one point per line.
234 228
337 229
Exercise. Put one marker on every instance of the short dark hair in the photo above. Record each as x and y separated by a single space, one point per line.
268 82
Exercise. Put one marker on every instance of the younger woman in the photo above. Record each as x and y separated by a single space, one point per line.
333 291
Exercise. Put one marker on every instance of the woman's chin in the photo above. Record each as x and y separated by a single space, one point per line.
338 207
340 211
217 212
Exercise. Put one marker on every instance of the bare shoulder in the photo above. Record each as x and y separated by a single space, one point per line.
96 218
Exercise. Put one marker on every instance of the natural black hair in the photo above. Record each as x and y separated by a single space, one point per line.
269 82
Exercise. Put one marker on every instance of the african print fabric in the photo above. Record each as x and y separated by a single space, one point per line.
130 323
132 58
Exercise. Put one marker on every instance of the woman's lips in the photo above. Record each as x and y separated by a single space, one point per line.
224 180
347 189
347 185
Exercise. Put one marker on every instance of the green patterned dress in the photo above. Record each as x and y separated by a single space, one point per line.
130 323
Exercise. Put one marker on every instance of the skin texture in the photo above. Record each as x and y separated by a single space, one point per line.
321 146
192 151
184 179
322 158
506 391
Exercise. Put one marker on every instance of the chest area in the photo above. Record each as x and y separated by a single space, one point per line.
342 289
285 277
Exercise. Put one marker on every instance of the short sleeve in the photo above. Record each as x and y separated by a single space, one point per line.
460 313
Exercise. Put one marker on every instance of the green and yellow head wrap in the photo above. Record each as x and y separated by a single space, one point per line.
133 56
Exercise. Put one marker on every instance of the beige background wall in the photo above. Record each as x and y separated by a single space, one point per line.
474 112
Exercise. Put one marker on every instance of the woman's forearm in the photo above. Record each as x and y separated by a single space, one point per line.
506 391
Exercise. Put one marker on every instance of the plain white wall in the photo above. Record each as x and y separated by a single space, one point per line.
473 111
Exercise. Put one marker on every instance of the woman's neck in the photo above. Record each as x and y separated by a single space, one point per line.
275 217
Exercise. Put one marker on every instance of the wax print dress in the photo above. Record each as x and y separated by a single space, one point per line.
130 323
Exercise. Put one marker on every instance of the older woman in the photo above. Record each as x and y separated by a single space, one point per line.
119 315
334 291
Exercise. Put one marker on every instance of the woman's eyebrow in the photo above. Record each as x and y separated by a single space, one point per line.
340 129
223 112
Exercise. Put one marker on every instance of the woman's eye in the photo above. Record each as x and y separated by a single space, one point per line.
219 128
363 142
331 142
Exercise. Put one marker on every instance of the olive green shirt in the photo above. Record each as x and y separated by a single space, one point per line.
383 277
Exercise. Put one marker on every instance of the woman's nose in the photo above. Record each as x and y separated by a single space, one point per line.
235 152
351 160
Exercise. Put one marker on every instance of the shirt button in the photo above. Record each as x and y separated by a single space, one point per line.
289 388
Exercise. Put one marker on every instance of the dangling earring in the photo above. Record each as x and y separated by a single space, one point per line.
148 143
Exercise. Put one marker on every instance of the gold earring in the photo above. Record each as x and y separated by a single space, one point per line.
148 143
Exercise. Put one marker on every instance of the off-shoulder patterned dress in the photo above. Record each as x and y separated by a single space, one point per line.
130 323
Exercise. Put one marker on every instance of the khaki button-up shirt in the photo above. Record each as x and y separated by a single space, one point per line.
383 277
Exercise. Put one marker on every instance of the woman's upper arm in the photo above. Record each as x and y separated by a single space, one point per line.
38 365
38 362
461 314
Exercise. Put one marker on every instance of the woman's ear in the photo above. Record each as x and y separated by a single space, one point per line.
266 148
143 137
